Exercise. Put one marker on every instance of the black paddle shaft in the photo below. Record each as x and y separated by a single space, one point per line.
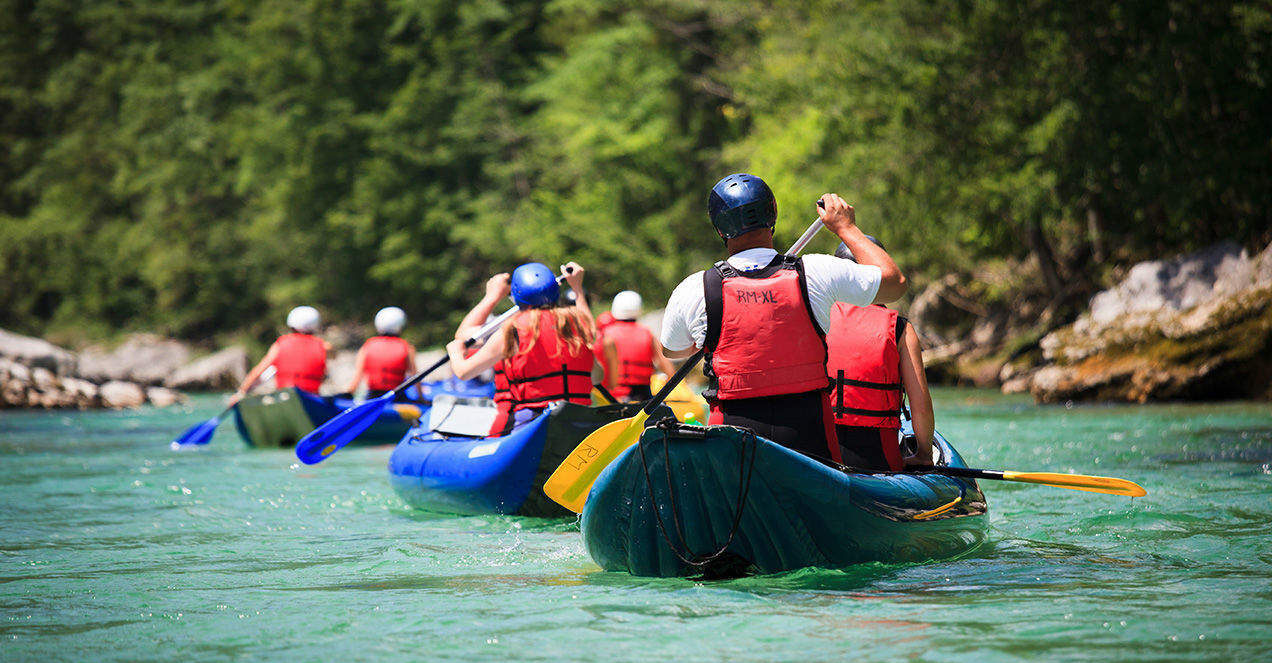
673 382
962 472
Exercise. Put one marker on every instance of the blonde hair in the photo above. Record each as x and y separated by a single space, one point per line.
574 330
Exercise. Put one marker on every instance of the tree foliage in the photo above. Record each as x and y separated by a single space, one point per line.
200 167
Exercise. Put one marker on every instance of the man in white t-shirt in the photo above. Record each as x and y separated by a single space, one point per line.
762 317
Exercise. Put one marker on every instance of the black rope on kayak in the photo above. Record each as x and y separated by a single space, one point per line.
745 471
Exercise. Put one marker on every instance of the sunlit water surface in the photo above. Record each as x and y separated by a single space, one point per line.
115 548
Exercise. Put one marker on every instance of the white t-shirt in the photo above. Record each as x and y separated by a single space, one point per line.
829 280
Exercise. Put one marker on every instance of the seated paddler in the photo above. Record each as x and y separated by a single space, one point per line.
629 351
546 349
874 361
299 357
384 360
762 316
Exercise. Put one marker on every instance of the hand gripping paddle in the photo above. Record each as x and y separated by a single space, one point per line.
573 479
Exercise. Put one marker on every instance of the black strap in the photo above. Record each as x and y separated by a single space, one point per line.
842 381
901 323
840 409
552 374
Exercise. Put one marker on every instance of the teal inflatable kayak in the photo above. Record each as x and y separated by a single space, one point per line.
719 501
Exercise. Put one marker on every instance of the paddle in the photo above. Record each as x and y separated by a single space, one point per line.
1093 484
348 425
201 433
573 479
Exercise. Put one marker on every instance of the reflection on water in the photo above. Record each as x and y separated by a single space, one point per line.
117 549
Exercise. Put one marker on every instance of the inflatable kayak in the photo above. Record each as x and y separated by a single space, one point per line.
736 504
438 471
281 418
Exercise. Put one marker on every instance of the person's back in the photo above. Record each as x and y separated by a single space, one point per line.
388 359
301 361
627 351
864 365
544 366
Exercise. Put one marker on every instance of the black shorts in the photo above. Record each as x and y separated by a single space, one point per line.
862 448
795 421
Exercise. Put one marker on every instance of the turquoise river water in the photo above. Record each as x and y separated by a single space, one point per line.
116 548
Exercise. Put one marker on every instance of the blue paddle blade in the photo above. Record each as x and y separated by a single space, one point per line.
200 433
340 430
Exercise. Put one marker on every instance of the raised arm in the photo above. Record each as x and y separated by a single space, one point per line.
466 368
574 278
837 215
914 381
497 289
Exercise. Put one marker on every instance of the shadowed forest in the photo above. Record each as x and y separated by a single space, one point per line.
198 168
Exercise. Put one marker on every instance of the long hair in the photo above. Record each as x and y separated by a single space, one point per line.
575 331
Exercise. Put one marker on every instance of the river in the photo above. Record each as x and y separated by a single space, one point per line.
116 548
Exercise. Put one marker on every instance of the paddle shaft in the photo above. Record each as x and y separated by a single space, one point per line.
481 334
1095 484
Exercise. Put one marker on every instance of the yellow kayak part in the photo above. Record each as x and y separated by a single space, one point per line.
687 406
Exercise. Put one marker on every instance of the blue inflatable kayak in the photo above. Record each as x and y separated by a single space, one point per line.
736 504
498 475
281 418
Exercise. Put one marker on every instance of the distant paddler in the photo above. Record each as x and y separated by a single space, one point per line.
875 360
299 357
762 317
384 360
630 349
546 349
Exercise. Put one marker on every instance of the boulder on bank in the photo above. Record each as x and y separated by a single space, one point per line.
36 353
220 371
118 395
1197 327
143 358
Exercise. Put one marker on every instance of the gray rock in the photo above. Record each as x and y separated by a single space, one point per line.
340 366
143 358
36 352
83 393
117 394
13 394
1196 327
43 379
161 397
220 371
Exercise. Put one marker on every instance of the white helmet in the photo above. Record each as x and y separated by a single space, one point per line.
390 320
304 319
626 306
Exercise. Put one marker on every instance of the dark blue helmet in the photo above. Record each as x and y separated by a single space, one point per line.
534 285
741 203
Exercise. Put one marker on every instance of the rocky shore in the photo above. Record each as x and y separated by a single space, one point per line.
145 369
1191 327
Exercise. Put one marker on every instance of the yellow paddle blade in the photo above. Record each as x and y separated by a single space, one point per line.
1110 485
573 479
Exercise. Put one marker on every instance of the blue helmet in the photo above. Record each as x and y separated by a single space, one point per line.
534 285
741 203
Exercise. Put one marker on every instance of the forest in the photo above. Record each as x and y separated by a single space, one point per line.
198 167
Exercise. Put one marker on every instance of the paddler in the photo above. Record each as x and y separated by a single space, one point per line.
630 349
546 349
762 316
874 357
299 357
384 360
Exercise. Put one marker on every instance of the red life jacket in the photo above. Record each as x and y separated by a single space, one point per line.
384 360
865 366
604 320
546 371
301 362
762 339
635 348
503 401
